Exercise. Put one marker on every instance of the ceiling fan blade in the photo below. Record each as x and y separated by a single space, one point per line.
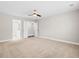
39 15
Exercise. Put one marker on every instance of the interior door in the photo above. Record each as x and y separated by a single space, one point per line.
16 28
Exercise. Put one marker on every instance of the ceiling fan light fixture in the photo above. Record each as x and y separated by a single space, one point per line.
36 14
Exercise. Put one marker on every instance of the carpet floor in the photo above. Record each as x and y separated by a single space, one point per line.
38 48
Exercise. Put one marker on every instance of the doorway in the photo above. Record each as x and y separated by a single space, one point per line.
30 29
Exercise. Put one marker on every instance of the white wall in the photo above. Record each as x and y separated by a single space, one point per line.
5 28
63 26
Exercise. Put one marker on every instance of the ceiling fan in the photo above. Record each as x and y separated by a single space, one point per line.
35 13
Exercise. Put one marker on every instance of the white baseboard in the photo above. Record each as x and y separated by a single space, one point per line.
4 41
75 43
9 40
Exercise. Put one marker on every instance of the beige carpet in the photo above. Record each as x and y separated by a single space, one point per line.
37 47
